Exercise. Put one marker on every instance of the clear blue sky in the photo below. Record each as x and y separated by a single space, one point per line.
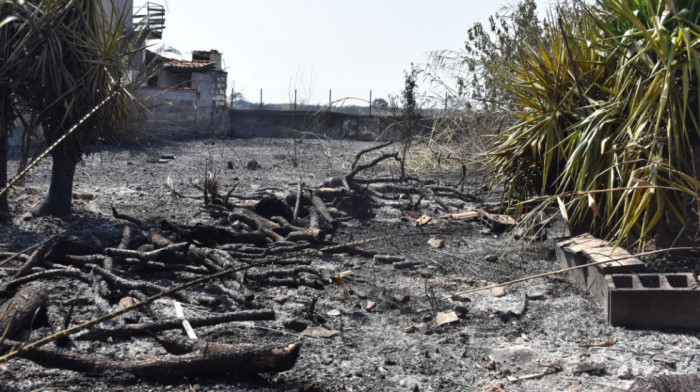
316 45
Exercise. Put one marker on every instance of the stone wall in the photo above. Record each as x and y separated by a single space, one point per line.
269 123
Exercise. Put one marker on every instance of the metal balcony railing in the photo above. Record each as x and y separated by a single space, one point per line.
151 16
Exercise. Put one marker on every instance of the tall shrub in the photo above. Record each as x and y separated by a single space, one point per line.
608 109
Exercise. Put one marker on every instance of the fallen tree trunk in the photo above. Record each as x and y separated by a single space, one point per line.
207 360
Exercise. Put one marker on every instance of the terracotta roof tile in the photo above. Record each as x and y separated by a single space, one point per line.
184 65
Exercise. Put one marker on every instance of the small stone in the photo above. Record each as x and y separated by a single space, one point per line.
498 291
444 318
436 243
595 368
253 164
425 329
125 302
536 293
410 329
625 373
280 299
401 298
27 216
370 305
360 294
319 332
491 258
423 220
427 317
333 312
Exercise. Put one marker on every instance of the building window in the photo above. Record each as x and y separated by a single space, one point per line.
153 81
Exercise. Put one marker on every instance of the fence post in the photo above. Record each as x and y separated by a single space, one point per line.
370 103
329 98
261 104
445 103
295 100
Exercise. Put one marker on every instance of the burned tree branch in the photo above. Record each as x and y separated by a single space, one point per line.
250 218
18 313
207 360
321 208
158 239
126 284
371 164
127 218
297 203
36 259
281 273
365 151
159 326
48 274
164 254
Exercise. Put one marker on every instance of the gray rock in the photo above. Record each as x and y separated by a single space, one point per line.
436 243
595 368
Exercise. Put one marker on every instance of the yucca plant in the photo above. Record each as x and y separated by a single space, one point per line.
64 58
607 112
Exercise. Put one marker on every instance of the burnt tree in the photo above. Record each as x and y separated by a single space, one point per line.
73 57
5 122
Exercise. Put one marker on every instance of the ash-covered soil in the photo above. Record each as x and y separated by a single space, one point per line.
385 319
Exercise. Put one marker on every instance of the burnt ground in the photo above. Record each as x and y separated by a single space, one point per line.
394 346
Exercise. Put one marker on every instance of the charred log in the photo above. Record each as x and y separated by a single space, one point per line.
206 360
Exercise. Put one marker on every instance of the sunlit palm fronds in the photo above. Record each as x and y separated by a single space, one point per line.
622 114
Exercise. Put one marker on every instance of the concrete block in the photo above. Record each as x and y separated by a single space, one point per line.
586 249
629 297
653 300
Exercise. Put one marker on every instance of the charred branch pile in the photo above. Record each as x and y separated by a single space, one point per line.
150 259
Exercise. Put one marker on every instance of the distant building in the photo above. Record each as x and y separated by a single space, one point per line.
184 96
203 75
